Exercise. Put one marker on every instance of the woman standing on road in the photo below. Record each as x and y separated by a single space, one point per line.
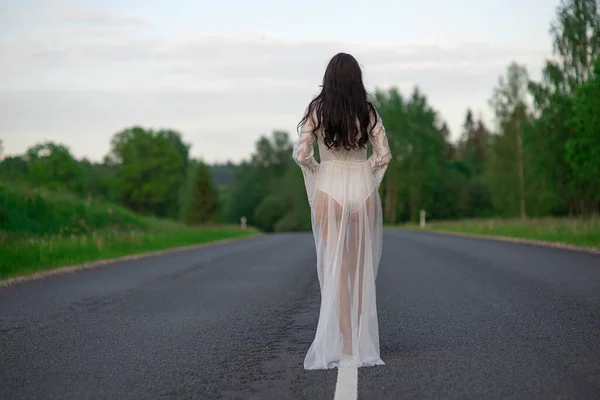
346 214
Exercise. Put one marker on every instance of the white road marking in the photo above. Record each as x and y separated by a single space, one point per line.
346 387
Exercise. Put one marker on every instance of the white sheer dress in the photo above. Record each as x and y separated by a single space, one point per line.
347 227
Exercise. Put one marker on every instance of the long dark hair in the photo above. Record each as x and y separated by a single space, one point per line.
341 104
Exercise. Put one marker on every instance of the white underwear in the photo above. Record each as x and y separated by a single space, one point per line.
349 183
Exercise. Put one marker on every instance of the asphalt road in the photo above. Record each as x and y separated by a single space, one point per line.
459 319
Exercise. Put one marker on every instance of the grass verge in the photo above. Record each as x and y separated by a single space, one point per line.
572 231
42 230
26 256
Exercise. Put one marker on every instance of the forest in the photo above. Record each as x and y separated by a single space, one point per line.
541 157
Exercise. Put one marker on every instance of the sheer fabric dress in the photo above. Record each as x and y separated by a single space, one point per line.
347 226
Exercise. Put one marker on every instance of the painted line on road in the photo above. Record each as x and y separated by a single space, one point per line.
346 387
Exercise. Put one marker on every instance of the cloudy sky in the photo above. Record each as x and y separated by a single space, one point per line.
76 72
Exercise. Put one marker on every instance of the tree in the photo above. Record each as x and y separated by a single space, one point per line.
14 169
52 165
297 211
150 169
261 177
95 179
269 212
576 44
576 33
450 148
205 198
473 143
273 154
419 150
391 107
583 150
509 105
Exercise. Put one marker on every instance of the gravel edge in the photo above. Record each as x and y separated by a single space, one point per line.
559 245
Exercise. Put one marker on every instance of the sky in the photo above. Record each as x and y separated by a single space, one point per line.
224 73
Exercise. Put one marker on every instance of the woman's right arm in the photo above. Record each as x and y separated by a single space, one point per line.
304 157
303 148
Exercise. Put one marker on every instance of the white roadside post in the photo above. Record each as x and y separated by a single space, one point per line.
422 218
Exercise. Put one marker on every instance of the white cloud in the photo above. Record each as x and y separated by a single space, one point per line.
64 12
74 14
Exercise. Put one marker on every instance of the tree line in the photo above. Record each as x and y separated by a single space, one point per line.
541 157
149 172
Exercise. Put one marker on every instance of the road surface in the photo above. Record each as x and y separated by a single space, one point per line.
459 318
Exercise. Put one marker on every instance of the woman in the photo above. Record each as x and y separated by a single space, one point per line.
346 214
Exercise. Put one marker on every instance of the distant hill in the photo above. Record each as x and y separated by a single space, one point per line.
222 174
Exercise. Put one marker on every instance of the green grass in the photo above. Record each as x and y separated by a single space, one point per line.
43 230
574 231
